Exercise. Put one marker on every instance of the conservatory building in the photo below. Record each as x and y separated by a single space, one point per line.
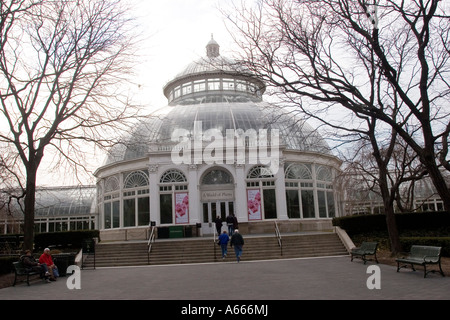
217 149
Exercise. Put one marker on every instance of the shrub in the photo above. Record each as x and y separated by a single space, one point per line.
64 239
424 228
443 242
6 264
405 222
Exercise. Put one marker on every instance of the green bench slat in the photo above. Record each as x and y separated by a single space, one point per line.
20 270
366 249
422 255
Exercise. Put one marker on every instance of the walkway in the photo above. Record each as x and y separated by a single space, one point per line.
330 278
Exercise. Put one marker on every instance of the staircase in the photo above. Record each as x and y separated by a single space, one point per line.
201 250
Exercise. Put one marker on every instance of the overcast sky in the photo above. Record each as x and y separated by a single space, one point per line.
176 33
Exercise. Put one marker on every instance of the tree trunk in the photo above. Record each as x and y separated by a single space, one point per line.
394 237
29 203
438 182
391 223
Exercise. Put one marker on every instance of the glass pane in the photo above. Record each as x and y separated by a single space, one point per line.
217 177
205 212
223 211
231 207
144 211
270 204
129 213
293 204
228 84
107 216
199 86
213 211
308 204
322 204
166 208
116 214
214 84
330 202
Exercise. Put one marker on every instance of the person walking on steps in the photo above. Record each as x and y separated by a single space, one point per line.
230 224
218 223
238 242
223 242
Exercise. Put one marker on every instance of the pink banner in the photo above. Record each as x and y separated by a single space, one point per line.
254 204
181 208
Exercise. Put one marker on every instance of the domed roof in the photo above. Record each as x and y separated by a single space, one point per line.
156 133
210 65
217 93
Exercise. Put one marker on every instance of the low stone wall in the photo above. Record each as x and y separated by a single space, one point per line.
262 227
125 234
256 227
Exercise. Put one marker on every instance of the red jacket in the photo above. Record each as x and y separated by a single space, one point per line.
47 259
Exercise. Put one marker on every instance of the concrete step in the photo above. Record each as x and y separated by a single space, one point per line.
200 250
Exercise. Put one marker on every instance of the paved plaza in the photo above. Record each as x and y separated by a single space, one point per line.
328 278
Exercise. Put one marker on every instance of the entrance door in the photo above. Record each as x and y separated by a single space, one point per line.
213 209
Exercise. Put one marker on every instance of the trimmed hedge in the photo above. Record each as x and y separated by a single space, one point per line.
443 242
64 239
424 228
6 264
405 221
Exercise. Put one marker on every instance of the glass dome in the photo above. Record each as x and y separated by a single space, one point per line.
61 201
219 94
157 131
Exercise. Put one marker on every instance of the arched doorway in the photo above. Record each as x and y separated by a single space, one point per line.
217 196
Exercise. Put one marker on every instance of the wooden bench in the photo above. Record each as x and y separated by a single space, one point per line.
366 249
20 270
423 256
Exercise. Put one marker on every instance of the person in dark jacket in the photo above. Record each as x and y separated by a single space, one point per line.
235 222
238 242
230 224
31 264
218 223
223 242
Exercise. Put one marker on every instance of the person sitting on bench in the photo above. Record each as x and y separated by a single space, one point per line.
31 264
48 260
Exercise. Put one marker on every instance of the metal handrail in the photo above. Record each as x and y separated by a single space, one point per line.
151 240
214 244
278 236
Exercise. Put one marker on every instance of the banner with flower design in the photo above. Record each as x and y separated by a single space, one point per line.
181 208
254 204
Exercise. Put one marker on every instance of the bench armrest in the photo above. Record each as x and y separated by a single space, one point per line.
431 258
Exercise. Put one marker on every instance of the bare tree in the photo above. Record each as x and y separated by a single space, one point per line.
63 64
317 54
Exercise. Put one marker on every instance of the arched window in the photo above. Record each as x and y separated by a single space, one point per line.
259 172
172 176
325 194
261 196
112 184
136 179
298 171
324 174
173 198
111 205
217 177
300 191
136 200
